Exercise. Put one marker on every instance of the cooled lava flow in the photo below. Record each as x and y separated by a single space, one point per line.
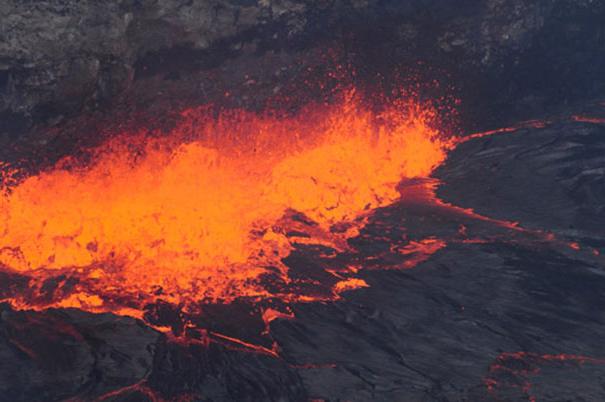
209 212
511 373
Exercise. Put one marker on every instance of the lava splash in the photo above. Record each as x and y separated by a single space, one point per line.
209 211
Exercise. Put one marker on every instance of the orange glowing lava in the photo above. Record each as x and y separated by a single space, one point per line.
204 212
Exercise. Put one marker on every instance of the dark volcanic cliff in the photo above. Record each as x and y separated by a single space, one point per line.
61 57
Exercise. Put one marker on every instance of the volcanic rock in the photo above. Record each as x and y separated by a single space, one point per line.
58 58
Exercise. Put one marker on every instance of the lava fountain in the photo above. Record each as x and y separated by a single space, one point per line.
205 212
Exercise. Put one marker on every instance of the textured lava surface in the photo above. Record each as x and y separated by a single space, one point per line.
490 289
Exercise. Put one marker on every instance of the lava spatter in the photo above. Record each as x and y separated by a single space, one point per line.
238 215
209 212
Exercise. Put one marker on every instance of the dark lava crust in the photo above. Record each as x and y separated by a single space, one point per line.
506 318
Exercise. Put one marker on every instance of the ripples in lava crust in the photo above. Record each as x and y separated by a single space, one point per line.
209 212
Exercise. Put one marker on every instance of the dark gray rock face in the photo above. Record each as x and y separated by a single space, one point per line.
58 57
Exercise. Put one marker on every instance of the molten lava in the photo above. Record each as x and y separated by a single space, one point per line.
206 212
